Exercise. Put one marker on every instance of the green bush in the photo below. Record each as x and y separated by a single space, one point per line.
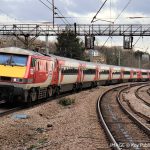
66 101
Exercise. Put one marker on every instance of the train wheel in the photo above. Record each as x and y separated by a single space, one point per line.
92 85
33 95
49 92
57 91
74 89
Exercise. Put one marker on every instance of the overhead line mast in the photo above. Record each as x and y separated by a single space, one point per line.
53 12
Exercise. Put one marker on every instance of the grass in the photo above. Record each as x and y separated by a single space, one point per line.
66 101
31 147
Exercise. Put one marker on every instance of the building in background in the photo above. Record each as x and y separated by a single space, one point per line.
96 56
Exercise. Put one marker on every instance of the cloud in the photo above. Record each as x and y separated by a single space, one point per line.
68 2
6 19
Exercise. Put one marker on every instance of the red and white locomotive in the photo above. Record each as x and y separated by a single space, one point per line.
27 76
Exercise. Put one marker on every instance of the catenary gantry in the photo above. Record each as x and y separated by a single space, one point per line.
29 32
79 29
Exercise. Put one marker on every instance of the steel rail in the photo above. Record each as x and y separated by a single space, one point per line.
137 121
9 111
101 118
139 97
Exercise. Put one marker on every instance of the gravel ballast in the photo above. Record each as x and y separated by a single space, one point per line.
52 126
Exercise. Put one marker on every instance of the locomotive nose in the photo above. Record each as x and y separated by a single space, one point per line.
12 71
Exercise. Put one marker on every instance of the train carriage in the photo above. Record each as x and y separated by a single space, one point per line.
127 74
68 73
115 72
104 74
89 74
145 75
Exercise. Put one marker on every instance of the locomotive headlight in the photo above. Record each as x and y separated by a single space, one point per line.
17 80
21 80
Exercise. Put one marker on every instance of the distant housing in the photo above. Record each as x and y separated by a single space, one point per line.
96 56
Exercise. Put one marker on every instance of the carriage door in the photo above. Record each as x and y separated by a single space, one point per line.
49 70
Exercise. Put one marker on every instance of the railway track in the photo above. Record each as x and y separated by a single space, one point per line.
142 93
5 109
131 101
124 130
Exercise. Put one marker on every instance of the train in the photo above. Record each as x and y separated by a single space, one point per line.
27 76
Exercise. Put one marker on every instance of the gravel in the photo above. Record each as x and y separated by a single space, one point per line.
52 126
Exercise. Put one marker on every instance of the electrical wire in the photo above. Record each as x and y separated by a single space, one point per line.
123 10
98 11
105 42
136 41
51 10
45 5
60 17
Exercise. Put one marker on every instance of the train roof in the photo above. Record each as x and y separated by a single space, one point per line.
16 50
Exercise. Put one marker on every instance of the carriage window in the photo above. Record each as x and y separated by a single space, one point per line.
144 73
89 71
69 71
116 72
127 72
104 72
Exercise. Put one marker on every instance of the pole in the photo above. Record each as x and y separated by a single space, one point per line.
140 61
53 13
119 58
46 40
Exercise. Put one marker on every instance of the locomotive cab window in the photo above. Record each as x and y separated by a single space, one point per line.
14 60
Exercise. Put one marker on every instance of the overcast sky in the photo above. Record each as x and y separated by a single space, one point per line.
80 11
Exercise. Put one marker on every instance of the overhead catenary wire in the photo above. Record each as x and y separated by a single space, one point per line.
59 12
117 18
45 5
123 10
105 42
98 11
136 41
64 20
110 22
